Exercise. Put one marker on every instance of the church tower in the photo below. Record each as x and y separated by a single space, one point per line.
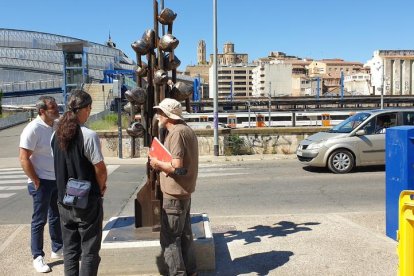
201 53
110 43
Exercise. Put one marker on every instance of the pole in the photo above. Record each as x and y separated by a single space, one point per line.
248 107
162 7
342 85
382 88
120 127
270 102
317 88
382 97
215 86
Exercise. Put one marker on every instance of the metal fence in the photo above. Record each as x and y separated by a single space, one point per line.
31 85
22 117
15 119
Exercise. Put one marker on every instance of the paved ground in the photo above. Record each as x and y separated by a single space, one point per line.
299 244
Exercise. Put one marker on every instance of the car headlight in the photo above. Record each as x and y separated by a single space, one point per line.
314 146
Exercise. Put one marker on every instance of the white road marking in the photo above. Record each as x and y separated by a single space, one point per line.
11 188
203 175
12 176
11 169
7 195
10 181
22 176
10 172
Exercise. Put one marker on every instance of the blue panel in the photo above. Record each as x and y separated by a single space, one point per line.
399 172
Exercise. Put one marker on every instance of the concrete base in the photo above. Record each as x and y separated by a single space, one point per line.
129 250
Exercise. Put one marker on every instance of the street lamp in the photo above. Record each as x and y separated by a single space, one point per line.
215 86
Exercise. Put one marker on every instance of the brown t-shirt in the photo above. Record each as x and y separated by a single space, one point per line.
182 142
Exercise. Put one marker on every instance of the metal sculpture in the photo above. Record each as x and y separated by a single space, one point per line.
159 52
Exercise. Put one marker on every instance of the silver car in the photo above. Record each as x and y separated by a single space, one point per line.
357 141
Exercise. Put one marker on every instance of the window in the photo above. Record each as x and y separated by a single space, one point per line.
380 123
408 118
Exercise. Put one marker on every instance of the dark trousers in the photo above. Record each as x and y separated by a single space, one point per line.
44 208
82 236
176 237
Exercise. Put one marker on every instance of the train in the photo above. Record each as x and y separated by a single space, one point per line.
261 119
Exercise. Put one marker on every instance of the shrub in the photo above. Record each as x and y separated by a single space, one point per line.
235 145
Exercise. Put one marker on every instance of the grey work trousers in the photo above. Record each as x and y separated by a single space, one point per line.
176 237
82 236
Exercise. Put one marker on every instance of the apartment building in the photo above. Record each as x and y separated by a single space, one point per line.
274 79
329 70
234 80
228 57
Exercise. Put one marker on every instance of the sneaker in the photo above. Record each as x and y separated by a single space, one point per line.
40 265
57 255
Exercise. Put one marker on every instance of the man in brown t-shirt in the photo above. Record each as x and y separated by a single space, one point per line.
178 182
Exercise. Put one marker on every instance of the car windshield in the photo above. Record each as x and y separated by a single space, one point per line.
350 124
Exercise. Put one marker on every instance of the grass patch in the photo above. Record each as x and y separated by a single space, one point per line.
109 122
6 114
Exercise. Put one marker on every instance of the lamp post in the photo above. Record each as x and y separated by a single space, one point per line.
215 86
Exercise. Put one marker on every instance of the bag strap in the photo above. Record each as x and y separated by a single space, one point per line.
71 171
69 166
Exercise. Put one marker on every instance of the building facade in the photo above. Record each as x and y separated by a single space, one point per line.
272 79
358 84
392 71
229 56
33 60
233 81
329 70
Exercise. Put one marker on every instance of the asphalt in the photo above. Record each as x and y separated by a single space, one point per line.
279 244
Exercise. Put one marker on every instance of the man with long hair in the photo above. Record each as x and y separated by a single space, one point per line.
37 162
77 154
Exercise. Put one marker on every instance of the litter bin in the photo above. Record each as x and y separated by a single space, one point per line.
399 172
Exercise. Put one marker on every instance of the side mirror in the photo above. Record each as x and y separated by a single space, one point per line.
360 132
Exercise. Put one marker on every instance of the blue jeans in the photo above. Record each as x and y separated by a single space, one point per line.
44 208
176 237
82 236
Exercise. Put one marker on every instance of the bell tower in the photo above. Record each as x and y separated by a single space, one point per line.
201 52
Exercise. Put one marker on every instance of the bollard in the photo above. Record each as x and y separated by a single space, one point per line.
405 233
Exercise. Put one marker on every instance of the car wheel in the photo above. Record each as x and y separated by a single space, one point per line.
341 161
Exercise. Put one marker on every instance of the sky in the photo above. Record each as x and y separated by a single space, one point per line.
346 29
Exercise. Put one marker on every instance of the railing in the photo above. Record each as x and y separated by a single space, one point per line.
30 85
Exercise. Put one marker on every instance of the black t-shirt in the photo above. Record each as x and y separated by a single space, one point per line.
73 164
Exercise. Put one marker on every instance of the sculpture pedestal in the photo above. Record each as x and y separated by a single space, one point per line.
129 250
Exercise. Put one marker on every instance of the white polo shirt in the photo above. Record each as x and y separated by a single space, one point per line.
36 137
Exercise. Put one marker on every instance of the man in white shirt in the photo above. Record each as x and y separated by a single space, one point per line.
37 162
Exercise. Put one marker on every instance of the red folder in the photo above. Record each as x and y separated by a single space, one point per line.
158 151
